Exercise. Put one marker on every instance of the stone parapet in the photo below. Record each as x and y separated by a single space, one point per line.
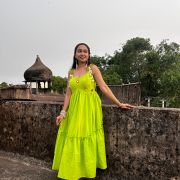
141 143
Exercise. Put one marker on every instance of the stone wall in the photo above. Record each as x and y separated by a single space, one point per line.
22 92
142 143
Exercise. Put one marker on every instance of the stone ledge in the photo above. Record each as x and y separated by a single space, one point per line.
142 143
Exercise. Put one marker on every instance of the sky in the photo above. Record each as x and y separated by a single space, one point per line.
52 28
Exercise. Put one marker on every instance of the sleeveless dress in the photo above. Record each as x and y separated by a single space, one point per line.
80 142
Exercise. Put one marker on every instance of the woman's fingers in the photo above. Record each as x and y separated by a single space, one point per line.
131 106
59 119
127 106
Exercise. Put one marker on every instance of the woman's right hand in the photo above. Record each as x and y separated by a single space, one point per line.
59 119
126 106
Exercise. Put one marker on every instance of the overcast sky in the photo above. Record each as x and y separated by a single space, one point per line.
52 28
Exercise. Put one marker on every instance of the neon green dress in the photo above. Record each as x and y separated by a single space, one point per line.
80 143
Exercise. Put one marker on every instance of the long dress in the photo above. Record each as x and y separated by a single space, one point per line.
80 142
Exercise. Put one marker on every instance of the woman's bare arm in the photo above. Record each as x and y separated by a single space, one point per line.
67 95
106 90
66 102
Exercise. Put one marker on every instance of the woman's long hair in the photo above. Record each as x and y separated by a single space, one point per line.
75 61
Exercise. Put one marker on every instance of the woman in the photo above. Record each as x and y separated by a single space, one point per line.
80 144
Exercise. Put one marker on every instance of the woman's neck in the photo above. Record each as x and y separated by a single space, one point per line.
81 65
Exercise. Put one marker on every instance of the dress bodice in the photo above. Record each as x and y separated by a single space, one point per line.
85 82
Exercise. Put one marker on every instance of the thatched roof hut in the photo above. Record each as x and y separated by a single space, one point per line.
38 72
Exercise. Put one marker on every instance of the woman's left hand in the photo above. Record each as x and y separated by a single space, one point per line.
126 106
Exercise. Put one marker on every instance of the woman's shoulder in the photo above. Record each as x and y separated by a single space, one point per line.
93 66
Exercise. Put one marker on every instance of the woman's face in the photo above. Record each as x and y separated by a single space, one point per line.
82 54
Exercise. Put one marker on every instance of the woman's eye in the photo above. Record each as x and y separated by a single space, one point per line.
79 51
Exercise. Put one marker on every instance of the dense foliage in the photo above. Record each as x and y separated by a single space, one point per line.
4 85
157 68
58 84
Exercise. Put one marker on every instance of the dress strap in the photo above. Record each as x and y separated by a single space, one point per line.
91 65
90 72
71 71
90 69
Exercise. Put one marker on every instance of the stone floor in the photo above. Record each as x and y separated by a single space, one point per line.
18 167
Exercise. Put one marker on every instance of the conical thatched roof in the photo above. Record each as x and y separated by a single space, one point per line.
38 72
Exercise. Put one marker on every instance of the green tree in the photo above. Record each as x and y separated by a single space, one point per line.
101 62
109 72
150 74
170 86
111 77
170 72
131 59
161 72
3 85
157 68
58 84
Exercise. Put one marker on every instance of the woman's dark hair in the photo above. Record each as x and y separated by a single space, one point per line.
75 60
